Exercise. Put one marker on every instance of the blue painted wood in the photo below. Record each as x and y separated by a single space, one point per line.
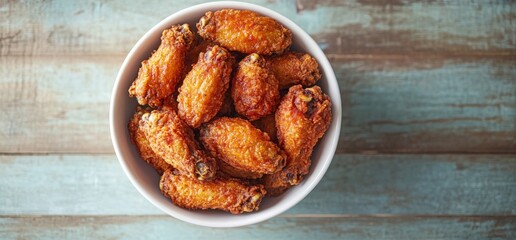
354 184
359 228
428 105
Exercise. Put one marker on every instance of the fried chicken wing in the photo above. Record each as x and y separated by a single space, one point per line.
170 138
160 74
268 125
238 143
244 31
254 88
293 68
142 144
202 93
227 194
302 118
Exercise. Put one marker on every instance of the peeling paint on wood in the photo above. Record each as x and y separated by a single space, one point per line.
354 184
340 27
162 227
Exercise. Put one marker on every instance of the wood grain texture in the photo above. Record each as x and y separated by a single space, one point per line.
395 105
340 27
164 227
427 105
354 184
56 104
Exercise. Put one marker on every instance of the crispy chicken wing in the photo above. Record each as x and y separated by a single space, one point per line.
238 143
302 118
170 138
203 90
254 88
159 75
244 31
142 144
227 194
294 68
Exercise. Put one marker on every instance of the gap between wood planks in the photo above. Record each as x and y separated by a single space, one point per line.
340 216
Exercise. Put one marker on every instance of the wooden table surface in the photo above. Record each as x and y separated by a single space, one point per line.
427 147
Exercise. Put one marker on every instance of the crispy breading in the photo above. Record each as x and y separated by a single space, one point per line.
268 125
204 87
235 172
170 138
238 143
254 88
293 68
302 118
161 73
227 194
142 144
244 31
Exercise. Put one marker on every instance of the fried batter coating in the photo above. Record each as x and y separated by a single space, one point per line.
235 172
254 88
202 93
238 143
227 194
268 125
302 118
170 138
293 68
142 144
244 31
160 74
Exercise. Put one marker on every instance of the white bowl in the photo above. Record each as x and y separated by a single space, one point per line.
146 180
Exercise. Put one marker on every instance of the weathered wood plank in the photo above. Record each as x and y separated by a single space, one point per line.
430 105
340 27
56 104
354 184
163 227
427 105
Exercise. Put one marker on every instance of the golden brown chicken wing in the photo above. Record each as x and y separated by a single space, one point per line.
170 138
227 194
142 144
202 93
159 75
254 88
244 31
238 143
294 68
302 118
268 125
